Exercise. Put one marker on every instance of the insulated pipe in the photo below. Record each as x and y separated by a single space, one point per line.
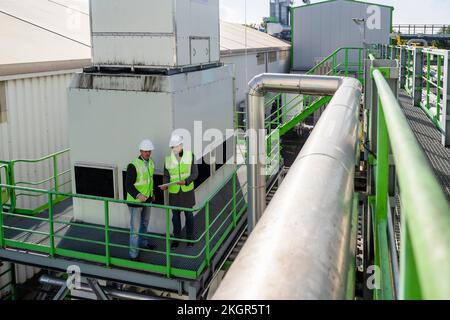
259 86
300 247
422 41
108 291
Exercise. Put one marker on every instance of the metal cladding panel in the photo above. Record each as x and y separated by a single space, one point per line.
106 126
320 29
135 50
208 98
246 67
202 22
36 126
117 16
154 33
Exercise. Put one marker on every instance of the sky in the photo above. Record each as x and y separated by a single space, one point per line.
406 11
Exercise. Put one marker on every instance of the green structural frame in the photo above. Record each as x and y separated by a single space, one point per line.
339 64
425 223
433 63
234 210
54 181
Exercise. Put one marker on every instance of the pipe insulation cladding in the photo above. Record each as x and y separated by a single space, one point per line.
300 248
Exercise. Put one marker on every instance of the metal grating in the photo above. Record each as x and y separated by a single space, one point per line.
429 137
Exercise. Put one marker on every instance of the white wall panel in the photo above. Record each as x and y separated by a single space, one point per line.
36 126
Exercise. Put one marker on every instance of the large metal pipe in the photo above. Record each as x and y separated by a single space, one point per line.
109 291
300 247
259 86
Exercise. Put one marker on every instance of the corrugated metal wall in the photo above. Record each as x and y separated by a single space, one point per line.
36 127
246 67
320 29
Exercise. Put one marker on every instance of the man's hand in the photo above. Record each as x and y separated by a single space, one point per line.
163 188
181 183
142 198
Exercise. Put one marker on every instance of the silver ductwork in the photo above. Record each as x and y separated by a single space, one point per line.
300 247
259 87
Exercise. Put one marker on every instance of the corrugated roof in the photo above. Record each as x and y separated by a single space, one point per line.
44 31
233 38
357 1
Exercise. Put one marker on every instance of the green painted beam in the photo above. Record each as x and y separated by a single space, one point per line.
424 206
303 115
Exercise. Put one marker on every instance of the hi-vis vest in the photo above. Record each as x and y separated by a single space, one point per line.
144 179
179 171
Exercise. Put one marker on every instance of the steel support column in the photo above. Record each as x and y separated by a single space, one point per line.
417 76
445 113
403 60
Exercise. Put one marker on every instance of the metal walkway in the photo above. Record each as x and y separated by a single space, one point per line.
429 138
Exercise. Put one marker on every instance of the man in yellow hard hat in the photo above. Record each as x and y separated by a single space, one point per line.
139 187
180 170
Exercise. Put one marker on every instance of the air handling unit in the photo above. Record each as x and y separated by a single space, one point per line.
179 85
155 33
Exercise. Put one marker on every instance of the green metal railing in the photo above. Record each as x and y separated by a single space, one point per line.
281 108
4 177
423 77
425 245
9 283
54 181
433 102
339 63
217 229
422 29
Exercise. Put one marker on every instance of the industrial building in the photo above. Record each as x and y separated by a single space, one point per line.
322 27
319 182
33 84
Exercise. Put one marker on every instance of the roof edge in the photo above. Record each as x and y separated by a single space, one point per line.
357 1
44 66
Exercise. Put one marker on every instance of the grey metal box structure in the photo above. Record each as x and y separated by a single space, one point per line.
320 28
169 33
110 114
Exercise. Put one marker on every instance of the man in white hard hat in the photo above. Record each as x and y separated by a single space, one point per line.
181 170
139 187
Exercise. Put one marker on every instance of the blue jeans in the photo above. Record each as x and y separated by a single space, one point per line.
139 219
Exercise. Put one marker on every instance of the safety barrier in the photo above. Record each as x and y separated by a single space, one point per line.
59 235
53 183
425 234
425 29
425 76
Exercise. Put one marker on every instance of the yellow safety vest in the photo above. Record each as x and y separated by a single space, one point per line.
179 171
144 178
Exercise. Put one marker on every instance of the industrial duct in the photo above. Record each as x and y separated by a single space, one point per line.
300 247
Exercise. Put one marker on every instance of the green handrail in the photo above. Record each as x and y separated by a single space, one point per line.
425 258
334 57
5 193
55 178
432 59
237 205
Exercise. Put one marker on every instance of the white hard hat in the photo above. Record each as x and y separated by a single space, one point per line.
146 145
175 141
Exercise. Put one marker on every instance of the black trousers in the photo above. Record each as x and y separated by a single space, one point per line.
176 220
